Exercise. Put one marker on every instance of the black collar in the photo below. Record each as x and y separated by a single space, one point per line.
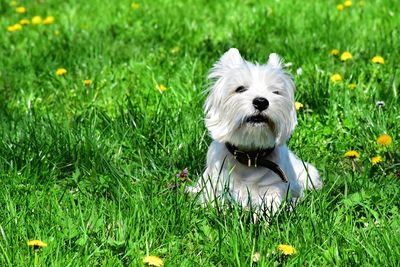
257 157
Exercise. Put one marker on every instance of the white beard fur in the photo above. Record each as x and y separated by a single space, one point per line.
226 179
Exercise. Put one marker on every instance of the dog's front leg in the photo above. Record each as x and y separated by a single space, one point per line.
271 197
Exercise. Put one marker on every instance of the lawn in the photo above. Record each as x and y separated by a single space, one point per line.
90 167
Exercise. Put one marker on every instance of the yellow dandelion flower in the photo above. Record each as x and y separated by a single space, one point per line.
20 10
24 21
287 250
48 20
135 5
153 261
87 82
17 26
346 55
14 28
336 77
378 60
298 105
352 154
334 52
376 160
340 7
37 244
61 72
36 20
384 140
162 87
352 86
347 3
175 50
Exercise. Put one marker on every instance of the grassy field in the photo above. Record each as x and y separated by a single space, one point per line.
91 169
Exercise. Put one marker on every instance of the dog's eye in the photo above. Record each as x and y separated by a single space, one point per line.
240 89
276 92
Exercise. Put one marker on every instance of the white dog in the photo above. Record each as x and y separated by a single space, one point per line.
250 114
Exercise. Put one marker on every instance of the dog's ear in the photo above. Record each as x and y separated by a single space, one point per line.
231 58
275 61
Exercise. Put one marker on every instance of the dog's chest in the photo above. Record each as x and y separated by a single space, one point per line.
256 176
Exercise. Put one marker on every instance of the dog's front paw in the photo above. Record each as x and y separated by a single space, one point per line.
192 190
270 203
309 178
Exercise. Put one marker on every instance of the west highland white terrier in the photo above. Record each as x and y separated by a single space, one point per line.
250 114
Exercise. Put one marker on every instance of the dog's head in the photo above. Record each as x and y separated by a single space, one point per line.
250 105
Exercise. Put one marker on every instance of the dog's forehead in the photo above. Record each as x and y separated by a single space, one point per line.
265 74
255 75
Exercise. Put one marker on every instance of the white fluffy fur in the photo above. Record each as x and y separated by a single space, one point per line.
226 112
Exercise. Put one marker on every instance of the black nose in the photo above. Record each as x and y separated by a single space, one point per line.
260 103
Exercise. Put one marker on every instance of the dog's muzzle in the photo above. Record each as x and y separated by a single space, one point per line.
257 119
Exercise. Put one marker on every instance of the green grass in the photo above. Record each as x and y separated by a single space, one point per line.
88 169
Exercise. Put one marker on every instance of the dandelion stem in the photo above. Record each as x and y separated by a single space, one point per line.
36 259
394 87
383 171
